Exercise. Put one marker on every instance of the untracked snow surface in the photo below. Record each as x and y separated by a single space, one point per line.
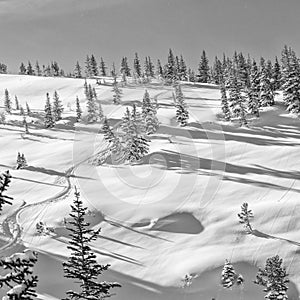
175 212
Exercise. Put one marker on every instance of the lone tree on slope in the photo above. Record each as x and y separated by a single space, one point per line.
48 120
4 184
20 279
7 102
245 216
117 92
78 110
274 278
82 265
230 277
182 114
57 107
149 112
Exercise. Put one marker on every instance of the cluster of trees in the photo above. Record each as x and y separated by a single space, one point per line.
51 70
17 276
3 68
53 113
21 161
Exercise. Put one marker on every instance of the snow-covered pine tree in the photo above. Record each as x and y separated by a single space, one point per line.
137 65
2 117
94 66
276 74
17 103
7 102
170 68
88 70
48 119
266 93
57 107
22 69
254 90
5 179
28 110
20 279
77 71
25 125
217 73
100 112
29 70
82 265
149 113
78 110
291 86
253 102
182 114
38 70
224 104
228 275
236 100
22 113
203 68
159 69
274 278
182 69
245 216
102 67
125 67
117 92
92 115
86 89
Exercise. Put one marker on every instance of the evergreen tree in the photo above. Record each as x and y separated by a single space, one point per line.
3 68
113 70
48 119
182 69
28 110
78 110
38 70
159 69
7 102
94 66
25 125
137 65
86 89
102 67
125 67
17 103
100 112
20 279
182 114
224 104
276 74
57 107
217 73
291 86
228 275
203 68
266 92
117 92
22 113
55 69
82 265
29 70
77 70
88 69
149 114
245 216
22 69
253 91
274 278
5 179
170 68
91 106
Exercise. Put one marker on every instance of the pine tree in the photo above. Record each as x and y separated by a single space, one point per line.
266 92
22 113
28 110
124 67
217 71
48 119
7 102
224 104
20 279
29 70
17 103
78 110
182 69
94 66
100 112
117 92
170 68
291 86
91 106
254 90
5 179
245 216
203 68
88 70
22 69
159 69
274 278
57 107
86 89
182 114
149 114
276 74
77 70
38 71
82 265
137 65
102 67
228 275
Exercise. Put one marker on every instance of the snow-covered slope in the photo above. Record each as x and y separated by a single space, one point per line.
174 213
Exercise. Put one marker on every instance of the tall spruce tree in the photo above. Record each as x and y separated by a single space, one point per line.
203 68
93 66
102 67
29 70
170 68
38 70
82 265
276 74
137 65
117 92
149 114
17 103
253 90
159 69
224 104
266 92
5 179
92 115
7 102
245 216
274 278
28 110
48 119
57 107
22 69
19 279
88 69
182 114
77 71
78 110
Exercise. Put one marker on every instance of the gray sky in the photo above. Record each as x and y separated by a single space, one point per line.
67 30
